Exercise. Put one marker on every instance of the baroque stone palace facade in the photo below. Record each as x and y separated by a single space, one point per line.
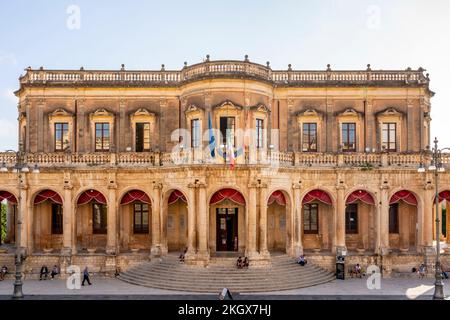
223 156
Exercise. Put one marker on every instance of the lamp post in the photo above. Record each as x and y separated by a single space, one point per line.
21 168
436 166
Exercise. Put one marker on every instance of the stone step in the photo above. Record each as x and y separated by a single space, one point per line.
168 273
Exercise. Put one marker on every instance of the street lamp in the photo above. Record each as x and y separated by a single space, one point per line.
436 166
20 167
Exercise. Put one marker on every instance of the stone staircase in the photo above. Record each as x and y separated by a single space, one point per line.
170 274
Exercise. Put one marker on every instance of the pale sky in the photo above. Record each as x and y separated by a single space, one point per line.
348 34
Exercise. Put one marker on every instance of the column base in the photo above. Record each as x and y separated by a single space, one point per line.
429 251
384 251
155 251
197 259
66 251
298 250
341 251
111 250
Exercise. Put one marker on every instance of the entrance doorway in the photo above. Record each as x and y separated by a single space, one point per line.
227 229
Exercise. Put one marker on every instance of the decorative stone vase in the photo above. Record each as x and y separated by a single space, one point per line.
48 250
360 250
91 250
403 250
134 250
316 250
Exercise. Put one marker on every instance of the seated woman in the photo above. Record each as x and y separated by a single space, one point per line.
3 272
182 255
55 271
358 270
239 263
302 261
246 262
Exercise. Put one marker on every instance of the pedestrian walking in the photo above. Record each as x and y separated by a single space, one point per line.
86 276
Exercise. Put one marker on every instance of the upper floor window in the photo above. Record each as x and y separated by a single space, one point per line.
351 218
349 137
259 133
227 127
140 211
61 136
142 136
309 137
57 218
311 218
99 218
393 218
195 133
388 136
102 136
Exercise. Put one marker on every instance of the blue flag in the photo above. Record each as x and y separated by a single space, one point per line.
212 139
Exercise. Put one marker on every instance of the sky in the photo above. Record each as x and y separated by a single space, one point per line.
348 34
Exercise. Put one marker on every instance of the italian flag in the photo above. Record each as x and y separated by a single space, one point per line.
231 156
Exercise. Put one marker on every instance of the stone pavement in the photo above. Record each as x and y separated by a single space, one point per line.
104 288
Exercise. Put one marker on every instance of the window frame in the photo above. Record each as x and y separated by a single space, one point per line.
195 133
57 223
345 127
225 139
64 128
144 131
309 142
394 222
103 149
103 226
259 125
309 212
141 228
348 223
388 142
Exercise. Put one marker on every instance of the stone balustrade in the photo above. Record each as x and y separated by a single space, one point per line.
186 157
222 68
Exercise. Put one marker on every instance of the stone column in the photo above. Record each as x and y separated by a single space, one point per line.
340 220
10 223
111 242
447 220
68 216
40 125
203 252
411 132
297 217
263 221
441 206
23 230
427 223
383 218
156 228
251 218
191 222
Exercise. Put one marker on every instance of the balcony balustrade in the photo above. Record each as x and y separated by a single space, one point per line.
366 161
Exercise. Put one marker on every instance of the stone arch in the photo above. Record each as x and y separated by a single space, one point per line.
174 225
360 219
227 216
135 212
317 220
405 206
11 213
280 228
90 234
46 220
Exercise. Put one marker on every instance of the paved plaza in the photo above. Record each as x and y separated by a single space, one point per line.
105 288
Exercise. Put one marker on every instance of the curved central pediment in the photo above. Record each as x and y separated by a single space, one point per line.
228 105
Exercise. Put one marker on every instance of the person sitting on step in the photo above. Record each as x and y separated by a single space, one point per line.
182 255
43 273
302 261
239 263
245 263
3 272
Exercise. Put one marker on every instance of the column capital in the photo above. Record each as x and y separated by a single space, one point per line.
157 185
341 187
297 185
428 186
385 186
